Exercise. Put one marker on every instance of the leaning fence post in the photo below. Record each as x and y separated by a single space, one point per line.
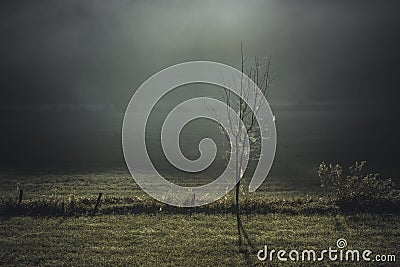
97 203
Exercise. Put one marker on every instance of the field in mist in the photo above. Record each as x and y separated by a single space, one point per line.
66 159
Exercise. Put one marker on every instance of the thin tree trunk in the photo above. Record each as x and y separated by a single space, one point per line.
237 210
237 187
237 199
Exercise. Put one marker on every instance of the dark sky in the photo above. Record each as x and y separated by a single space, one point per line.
58 54
98 52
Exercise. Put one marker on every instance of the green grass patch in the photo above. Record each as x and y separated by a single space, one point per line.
186 240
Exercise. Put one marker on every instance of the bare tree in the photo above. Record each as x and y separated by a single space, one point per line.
259 71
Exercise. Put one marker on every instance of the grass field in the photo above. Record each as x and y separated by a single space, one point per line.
119 183
183 240
291 217
76 160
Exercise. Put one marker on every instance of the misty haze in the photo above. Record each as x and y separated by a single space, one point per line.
68 70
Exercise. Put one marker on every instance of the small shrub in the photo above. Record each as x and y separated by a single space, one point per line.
330 177
355 187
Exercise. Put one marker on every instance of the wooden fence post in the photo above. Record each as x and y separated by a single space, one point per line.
97 203
21 192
